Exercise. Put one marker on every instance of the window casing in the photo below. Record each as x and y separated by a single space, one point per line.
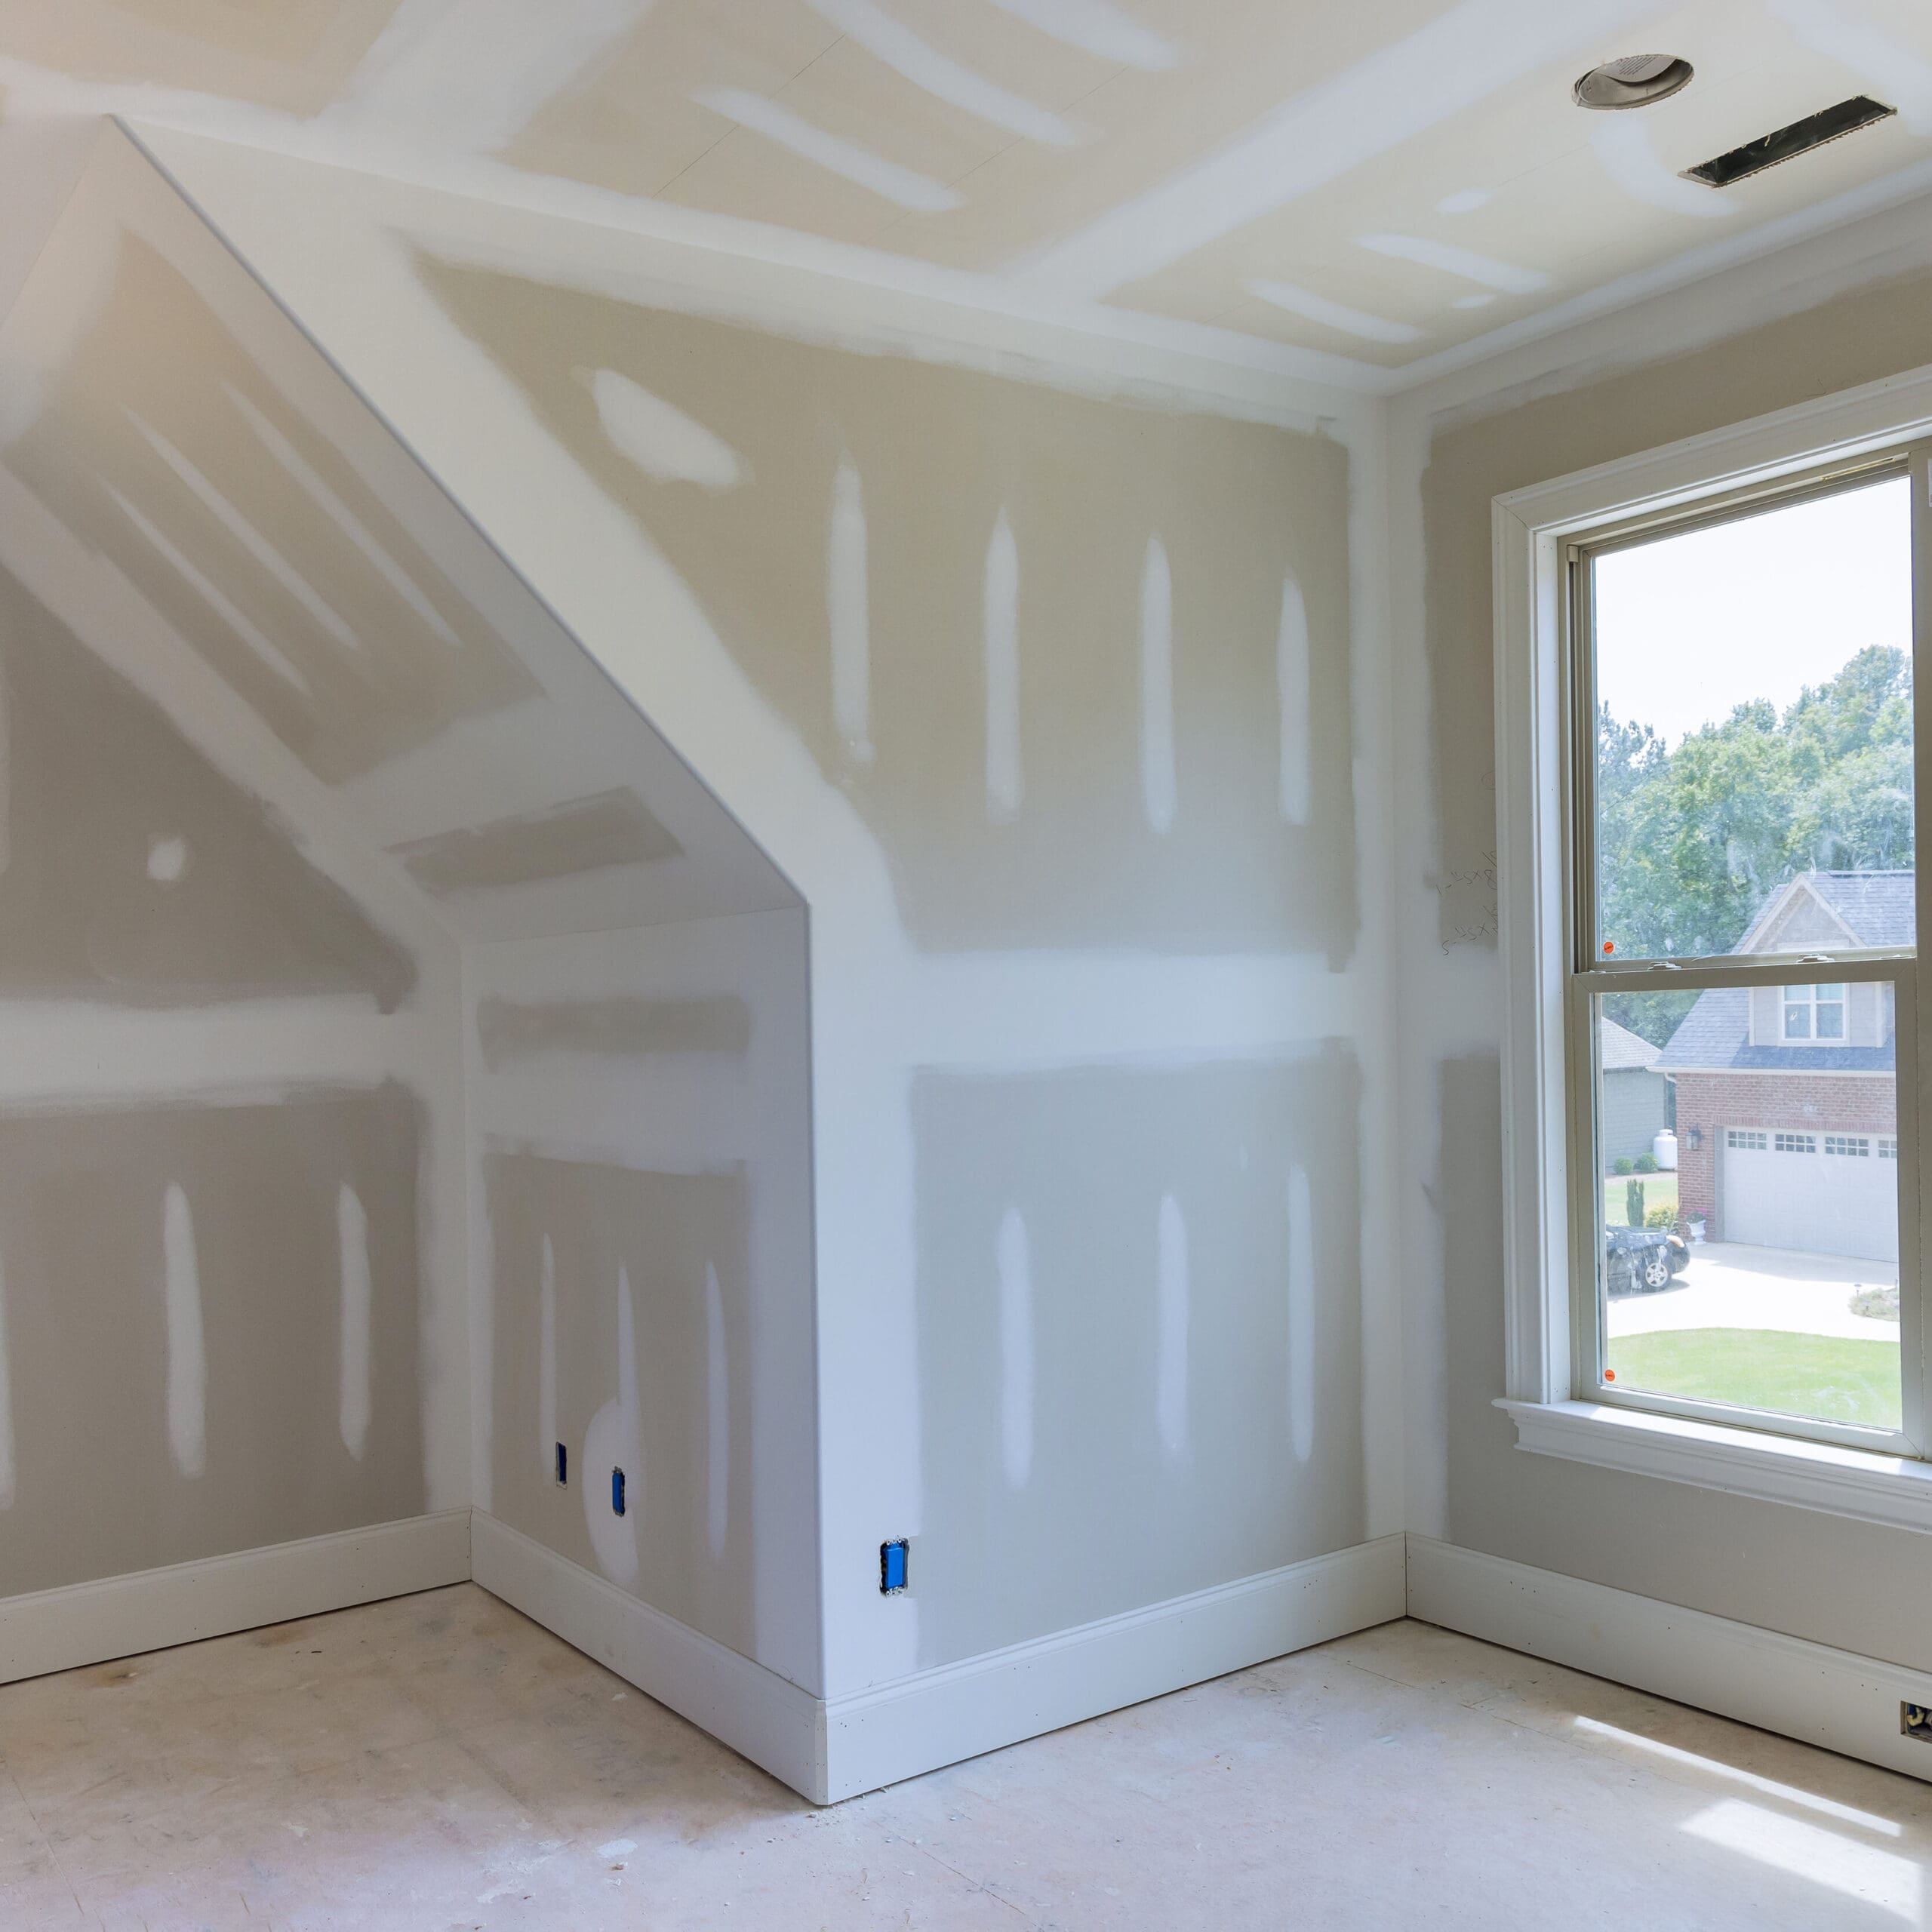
1811 1014
1557 1409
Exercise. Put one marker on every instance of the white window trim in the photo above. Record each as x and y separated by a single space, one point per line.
1811 1003
1528 530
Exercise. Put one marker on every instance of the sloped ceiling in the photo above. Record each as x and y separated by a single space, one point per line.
167 427
1371 186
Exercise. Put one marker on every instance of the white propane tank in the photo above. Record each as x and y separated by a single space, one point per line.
1664 1150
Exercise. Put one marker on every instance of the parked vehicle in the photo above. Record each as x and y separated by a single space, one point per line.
1639 1261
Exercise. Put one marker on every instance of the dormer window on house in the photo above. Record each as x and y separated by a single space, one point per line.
1814 1012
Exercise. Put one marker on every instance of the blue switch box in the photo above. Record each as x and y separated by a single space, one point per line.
892 1568
617 1491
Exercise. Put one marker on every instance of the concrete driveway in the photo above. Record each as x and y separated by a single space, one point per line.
1728 1285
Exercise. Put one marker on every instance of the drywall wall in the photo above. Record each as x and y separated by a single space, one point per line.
1042 683
281 737
1827 320
640 1103
231 1140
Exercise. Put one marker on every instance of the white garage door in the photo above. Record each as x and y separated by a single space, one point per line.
1824 1193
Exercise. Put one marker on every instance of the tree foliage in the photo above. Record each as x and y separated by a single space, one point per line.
1691 842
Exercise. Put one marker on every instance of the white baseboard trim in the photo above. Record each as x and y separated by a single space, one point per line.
939 1717
760 1714
1810 1691
829 1751
153 1610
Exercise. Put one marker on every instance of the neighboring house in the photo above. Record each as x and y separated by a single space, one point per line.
1786 1128
1636 1095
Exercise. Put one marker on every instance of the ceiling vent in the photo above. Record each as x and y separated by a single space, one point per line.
1800 137
1635 81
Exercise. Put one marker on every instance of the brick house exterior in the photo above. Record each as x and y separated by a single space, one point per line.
1786 1120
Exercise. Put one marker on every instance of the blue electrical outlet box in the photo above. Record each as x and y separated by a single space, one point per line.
892 1561
617 1491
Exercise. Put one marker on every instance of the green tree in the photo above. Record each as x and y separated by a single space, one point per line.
1692 842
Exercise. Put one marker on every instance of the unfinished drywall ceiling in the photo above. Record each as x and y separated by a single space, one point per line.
1372 186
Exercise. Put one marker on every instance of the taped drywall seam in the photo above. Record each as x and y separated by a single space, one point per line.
352 1237
1291 678
1301 1312
847 611
217 600
1098 28
1005 784
7 1462
1173 1292
547 1362
1622 143
187 1358
718 1417
1157 686
759 114
1462 55
1014 1262
895 45
311 483
471 74
615 1441
251 539
664 442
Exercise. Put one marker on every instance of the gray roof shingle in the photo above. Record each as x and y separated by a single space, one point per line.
1622 1049
1877 908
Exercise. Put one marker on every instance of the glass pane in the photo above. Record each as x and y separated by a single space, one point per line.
1750 1200
1754 734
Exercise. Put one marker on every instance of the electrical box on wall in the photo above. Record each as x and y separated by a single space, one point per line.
892 1568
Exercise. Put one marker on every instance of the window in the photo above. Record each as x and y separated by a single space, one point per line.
1742 806
1815 1013
1708 806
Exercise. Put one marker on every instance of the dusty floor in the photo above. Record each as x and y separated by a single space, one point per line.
439 1762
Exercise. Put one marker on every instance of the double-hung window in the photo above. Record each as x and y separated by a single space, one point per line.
1708 801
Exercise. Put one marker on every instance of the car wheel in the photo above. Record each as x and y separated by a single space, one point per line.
1656 1269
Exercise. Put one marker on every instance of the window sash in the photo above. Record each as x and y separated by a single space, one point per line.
1578 694
1589 1302
1591 973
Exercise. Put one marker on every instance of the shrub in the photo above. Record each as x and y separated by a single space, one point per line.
1624 1165
1647 1164
1663 1217
1633 1203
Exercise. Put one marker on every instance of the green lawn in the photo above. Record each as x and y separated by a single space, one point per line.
1825 1376
1659 1191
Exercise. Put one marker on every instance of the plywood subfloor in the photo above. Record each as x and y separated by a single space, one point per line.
439 1761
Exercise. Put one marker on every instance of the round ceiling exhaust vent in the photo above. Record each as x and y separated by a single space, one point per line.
1635 81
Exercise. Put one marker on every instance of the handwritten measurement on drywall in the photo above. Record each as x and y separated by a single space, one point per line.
1473 924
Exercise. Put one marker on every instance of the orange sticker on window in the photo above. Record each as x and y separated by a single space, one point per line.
1610 945
1610 1375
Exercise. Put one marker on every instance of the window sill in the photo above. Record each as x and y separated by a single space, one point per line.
1895 1490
